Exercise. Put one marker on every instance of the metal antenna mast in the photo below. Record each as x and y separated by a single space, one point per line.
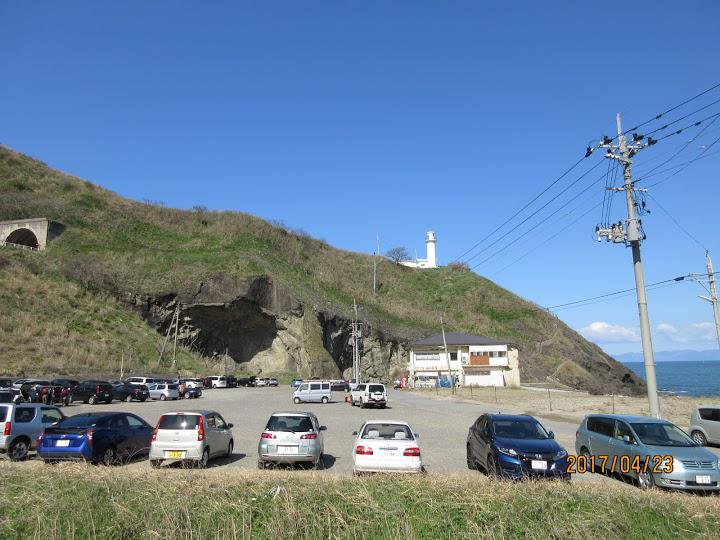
712 290
631 233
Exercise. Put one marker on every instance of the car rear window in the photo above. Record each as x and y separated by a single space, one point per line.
81 421
179 421
3 413
173 386
376 388
293 424
387 431
710 414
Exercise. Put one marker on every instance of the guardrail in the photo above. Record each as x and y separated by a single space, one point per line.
20 246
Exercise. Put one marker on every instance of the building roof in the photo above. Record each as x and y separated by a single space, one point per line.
457 338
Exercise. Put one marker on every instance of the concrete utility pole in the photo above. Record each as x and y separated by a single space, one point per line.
377 253
177 323
356 335
630 233
713 295
447 357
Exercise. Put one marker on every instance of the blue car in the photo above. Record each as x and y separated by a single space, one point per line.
511 446
98 437
295 383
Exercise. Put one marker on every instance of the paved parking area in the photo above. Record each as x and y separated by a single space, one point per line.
442 424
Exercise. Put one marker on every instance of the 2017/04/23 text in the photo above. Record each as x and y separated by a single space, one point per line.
620 464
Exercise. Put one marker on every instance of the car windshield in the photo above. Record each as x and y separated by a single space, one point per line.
387 431
661 434
519 429
293 424
179 421
376 388
81 421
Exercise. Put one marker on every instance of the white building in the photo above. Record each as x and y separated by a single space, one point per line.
431 261
474 361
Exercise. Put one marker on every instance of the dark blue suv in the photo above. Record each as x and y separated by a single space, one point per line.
513 446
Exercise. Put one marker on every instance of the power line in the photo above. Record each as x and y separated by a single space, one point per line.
688 115
698 242
617 297
688 163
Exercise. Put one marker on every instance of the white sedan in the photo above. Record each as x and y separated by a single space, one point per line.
386 446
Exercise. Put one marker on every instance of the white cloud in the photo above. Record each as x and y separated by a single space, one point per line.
604 332
703 331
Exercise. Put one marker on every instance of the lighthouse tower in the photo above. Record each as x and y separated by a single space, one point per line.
430 245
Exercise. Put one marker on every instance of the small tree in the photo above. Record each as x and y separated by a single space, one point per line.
397 254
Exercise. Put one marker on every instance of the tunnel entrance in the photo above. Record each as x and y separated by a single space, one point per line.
23 237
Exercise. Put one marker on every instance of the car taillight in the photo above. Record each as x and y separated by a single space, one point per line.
155 431
201 429
309 436
266 435
412 452
89 434
364 450
8 428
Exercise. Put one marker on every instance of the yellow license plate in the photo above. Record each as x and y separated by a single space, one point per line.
175 454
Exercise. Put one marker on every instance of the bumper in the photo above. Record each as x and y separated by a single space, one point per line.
366 465
268 452
687 480
71 454
515 468
193 452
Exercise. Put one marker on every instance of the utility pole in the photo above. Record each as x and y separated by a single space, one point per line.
167 336
713 299
630 233
177 323
447 357
356 334
377 253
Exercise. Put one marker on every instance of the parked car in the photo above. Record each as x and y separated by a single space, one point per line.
192 392
49 394
6 383
98 437
232 381
141 380
128 392
163 391
247 381
687 467
92 392
72 383
340 386
513 446
193 383
218 381
353 384
10 395
291 437
192 437
19 382
295 383
21 424
272 381
264 381
27 386
313 391
386 446
705 426
369 394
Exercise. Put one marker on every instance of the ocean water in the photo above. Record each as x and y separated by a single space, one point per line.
688 378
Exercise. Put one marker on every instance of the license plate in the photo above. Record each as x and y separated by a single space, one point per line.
537 464
174 454
67 443
703 480
287 449
388 453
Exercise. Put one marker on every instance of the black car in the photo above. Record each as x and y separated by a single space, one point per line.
192 392
515 446
93 392
72 383
232 381
102 437
6 383
340 386
247 381
127 392
27 386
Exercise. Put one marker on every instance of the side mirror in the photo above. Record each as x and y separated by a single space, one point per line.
229 426
354 432
323 428
551 434
626 439
417 435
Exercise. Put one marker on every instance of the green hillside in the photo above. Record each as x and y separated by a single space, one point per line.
115 249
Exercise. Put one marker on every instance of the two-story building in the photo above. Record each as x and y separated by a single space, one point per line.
473 361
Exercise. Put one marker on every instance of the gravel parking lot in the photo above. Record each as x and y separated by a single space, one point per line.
441 422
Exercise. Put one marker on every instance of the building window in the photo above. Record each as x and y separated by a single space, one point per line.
453 356
502 354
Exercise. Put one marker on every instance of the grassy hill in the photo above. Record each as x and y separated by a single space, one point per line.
115 248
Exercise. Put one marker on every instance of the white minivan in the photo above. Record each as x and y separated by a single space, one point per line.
218 381
319 391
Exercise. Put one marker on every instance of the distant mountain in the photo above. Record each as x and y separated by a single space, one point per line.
671 356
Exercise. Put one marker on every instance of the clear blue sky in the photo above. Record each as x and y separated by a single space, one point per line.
348 119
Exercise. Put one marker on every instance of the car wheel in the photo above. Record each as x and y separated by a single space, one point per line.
699 438
362 404
589 460
108 401
143 400
108 457
128 398
229 449
296 400
162 397
19 450
261 464
92 400
645 480
325 400
203 463
382 405
470 462
70 399
155 463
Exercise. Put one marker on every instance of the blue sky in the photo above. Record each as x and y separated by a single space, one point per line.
348 119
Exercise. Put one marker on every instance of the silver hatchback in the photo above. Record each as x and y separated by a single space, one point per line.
21 424
291 437
705 425
192 437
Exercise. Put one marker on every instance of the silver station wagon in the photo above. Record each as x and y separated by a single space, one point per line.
651 451
291 437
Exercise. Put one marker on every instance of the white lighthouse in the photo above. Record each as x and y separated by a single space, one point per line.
431 260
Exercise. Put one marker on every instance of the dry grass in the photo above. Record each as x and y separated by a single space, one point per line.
69 501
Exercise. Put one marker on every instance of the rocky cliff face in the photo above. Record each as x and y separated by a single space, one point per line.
258 324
